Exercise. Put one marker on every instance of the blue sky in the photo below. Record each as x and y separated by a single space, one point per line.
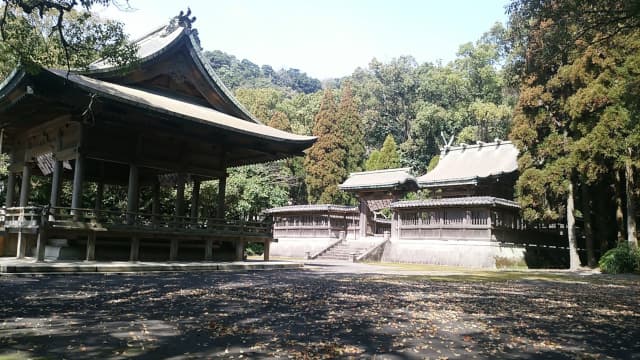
328 38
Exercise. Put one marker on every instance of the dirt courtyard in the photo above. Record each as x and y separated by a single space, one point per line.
321 311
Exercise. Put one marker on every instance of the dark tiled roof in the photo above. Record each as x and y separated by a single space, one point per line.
167 105
380 179
459 201
310 208
465 164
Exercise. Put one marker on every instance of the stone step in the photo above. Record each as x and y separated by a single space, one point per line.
333 258
344 252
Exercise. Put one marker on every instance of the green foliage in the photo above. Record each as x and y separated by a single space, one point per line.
254 248
433 163
621 259
351 127
468 135
301 110
576 100
373 161
253 189
236 73
385 158
77 38
261 102
387 92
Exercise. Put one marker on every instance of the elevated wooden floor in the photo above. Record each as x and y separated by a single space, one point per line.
43 223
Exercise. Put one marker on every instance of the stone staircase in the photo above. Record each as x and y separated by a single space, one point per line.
344 251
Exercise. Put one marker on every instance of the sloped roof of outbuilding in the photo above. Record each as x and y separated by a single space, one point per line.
465 164
387 179
312 208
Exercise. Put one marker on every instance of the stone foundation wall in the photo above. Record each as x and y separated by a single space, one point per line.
467 253
297 247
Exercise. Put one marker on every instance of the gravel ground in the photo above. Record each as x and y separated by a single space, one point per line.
327 310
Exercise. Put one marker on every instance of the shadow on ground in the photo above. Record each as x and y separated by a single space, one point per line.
302 313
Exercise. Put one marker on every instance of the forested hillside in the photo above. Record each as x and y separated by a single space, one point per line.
411 104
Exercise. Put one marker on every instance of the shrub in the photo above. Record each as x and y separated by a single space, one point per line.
255 249
621 259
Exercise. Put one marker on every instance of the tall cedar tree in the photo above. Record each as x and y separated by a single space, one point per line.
557 109
351 124
326 161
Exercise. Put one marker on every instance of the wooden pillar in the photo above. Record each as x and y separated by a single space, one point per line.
239 250
222 189
55 183
25 188
91 246
41 242
267 250
132 194
11 189
395 225
22 245
363 219
99 195
195 200
78 175
208 250
134 254
155 201
173 250
180 198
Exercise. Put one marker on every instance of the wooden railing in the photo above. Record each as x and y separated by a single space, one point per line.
75 218
22 217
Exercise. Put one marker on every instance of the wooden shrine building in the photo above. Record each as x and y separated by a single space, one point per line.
166 121
470 217
376 190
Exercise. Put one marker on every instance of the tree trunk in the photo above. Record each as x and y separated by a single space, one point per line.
588 229
619 212
632 238
603 218
574 259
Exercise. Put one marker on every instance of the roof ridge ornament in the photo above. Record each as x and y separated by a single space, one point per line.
182 20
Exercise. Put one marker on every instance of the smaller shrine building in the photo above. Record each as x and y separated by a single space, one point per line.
467 218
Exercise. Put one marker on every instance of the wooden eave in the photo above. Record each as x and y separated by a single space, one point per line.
113 115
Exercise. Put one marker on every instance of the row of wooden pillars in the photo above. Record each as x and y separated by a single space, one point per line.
133 193
133 190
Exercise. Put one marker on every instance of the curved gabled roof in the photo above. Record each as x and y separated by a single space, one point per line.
465 164
181 109
380 180
159 42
